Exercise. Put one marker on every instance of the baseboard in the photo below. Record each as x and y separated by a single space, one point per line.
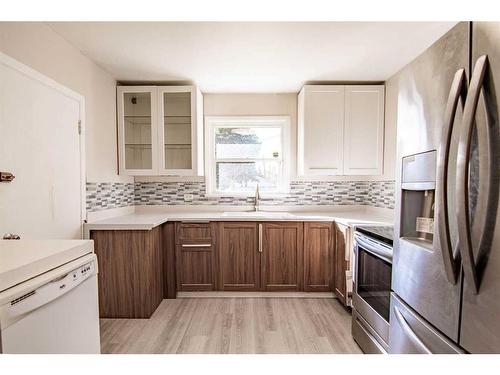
255 295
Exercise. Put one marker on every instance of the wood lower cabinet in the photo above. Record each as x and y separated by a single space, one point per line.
282 256
138 268
195 257
318 256
340 262
239 257
169 268
130 272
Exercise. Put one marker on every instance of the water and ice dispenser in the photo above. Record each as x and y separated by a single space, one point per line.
418 191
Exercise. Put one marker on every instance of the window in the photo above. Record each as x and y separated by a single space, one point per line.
243 152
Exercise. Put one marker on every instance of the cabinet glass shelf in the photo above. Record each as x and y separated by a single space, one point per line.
178 146
138 120
138 145
177 120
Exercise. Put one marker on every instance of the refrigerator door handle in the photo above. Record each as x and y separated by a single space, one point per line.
458 91
409 332
462 186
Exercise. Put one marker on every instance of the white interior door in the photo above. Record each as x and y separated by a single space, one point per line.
40 145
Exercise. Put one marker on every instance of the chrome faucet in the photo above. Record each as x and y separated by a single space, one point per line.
257 199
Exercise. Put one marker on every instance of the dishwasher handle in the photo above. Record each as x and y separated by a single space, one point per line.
50 291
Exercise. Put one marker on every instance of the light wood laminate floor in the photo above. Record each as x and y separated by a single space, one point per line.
234 325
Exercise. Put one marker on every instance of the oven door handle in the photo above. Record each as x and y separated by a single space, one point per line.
378 251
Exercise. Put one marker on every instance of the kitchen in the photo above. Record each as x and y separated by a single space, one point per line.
189 199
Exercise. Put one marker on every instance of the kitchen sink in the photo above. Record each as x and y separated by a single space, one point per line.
259 214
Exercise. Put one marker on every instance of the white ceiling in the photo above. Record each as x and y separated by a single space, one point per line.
251 57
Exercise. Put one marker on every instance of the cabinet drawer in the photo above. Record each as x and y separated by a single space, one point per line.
194 233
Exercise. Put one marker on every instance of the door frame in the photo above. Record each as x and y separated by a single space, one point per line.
49 82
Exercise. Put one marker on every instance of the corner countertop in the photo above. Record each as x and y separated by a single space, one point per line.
21 260
149 217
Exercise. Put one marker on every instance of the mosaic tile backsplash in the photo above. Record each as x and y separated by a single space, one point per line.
105 195
101 196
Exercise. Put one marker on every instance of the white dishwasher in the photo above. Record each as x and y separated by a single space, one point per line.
55 312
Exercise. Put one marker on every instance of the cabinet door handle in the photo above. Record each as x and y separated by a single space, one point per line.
260 238
196 245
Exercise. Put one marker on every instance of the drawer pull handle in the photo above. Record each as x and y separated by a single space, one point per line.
260 238
196 245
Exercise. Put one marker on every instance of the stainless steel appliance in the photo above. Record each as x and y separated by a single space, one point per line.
372 287
446 265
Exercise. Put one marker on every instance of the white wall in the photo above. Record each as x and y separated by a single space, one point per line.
35 44
38 46
285 104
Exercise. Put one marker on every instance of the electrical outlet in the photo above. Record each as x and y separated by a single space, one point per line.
188 197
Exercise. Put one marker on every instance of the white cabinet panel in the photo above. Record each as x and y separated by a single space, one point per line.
321 128
364 130
137 130
340 130
181 126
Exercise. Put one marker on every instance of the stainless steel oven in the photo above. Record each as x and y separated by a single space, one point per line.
372 287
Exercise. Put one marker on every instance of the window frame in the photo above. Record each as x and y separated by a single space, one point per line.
214 122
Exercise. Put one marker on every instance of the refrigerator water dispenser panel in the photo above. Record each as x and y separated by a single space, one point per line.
418 188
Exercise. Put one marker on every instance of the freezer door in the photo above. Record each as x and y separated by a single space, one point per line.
411 334
480 328
419 275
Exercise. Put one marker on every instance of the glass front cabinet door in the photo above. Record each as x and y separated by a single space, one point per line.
160 130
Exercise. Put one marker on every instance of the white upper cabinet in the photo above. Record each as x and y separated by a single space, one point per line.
320 130
180 131
160 130
340 130
137 130
364 130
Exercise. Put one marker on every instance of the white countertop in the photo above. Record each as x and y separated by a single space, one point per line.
146 218
21 260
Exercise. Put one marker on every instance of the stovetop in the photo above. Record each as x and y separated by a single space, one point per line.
384 233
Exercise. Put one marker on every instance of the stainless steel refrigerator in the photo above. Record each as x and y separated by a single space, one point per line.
446 264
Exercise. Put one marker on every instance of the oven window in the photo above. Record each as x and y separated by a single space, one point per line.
374 282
